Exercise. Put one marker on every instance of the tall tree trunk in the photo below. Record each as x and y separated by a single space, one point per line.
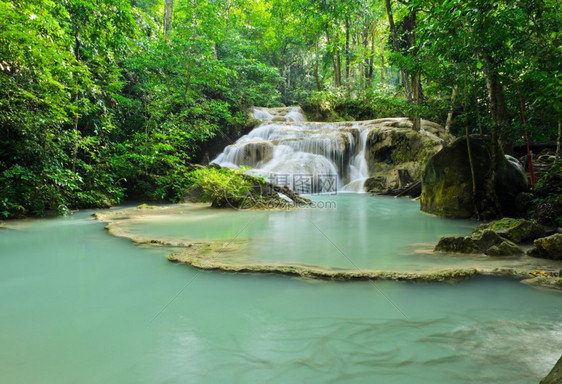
498 112
316 64
416 78
451 109
396 48
338 69
383 80
372 56
416 93
347 52
76 132
468 149
392 26
366 58
498 109
168 13
335 60
558 144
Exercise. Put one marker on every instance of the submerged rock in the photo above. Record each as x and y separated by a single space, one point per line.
457 244
516 230
555 375
505 248
447 181
549 247
485 241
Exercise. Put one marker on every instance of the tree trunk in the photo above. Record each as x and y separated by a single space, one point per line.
392 26
76 133
338 69
499 115
316 64
558 145
396 48
366 60
467 135
347 52
451 109
416 91
416 78
383 80
168 12
498 109
335 61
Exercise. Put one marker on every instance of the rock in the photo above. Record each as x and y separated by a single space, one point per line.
486 239
393 151
555 375
375 184
505 248
456 244
394 146
549 247
447 181
252 153
516 230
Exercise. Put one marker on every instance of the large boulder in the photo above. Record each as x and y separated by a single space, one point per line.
457 244
487 242
548 247
447 181
555 375
516 230
392 146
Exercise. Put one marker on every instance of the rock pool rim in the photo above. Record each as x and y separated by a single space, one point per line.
209 255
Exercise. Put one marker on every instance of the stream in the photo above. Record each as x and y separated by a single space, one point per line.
79 305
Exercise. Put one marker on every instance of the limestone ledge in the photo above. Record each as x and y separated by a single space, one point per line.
211 259
216 257
229 256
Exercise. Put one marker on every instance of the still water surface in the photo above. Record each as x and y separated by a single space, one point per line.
80 306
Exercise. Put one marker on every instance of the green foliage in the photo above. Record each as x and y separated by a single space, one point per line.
224 187
374 104
98 103
546 197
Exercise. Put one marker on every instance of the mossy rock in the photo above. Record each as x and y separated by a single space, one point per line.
457 244
516 230
375 184
447 181
549 247
505 248
486 239
555 375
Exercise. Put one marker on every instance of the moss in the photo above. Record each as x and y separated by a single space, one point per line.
548 247
516 230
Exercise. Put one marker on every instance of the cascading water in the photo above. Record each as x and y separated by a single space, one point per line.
307 157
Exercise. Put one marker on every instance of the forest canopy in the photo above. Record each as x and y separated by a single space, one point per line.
105 100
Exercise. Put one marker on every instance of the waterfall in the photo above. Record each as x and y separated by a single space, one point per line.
307 157
358 168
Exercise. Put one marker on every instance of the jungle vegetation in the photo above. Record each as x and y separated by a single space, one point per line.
106 100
